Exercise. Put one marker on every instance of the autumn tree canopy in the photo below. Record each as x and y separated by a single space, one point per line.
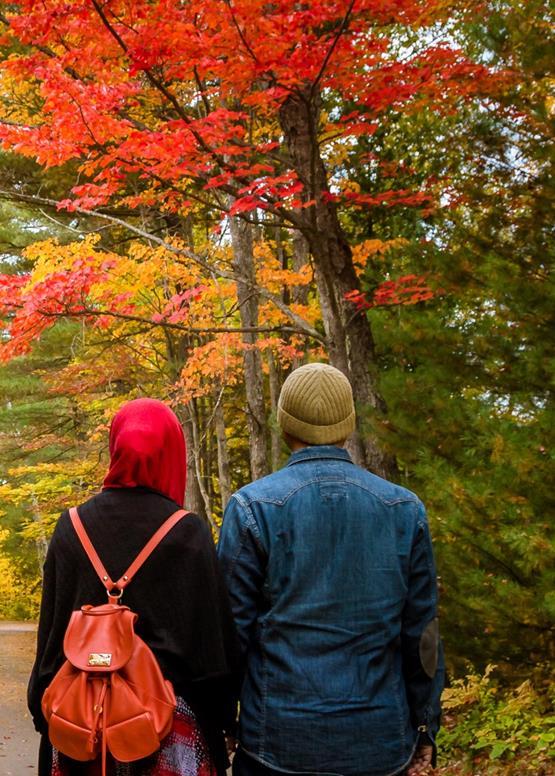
245 108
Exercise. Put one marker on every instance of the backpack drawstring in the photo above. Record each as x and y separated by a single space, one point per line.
100 711
104 716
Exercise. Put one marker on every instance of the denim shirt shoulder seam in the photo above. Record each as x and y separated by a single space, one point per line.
408 499
281 501
323 479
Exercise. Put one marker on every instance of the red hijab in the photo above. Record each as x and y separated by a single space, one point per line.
147 448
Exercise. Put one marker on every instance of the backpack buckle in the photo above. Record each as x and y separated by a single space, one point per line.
114 597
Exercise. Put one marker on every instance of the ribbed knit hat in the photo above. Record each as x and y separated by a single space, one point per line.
316 405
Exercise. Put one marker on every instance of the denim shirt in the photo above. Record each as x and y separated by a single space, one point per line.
333 588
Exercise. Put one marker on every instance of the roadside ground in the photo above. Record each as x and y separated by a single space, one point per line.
18 740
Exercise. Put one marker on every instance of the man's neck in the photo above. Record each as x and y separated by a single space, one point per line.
296 444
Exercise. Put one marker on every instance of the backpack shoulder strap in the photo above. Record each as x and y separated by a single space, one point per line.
150 546
89 549
144 554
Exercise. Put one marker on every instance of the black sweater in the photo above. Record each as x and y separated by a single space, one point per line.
184 613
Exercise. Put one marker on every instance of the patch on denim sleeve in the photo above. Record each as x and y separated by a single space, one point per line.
429 647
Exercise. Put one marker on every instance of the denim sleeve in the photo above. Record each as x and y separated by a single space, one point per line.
243 563
423 665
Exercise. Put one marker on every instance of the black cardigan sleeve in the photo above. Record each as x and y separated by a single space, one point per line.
57 603
40 678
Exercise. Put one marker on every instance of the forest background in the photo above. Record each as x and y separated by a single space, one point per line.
197 197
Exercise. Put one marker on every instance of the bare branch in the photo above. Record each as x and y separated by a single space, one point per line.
86 312
342 28
240 32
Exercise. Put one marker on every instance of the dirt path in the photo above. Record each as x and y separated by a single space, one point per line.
18 740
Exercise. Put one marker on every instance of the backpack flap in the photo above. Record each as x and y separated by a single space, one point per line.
100 638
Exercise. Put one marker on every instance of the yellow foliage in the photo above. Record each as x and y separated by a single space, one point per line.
7 574
48 256
43 490
363 251
466 691
18 105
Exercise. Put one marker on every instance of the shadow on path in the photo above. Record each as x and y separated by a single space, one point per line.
18 740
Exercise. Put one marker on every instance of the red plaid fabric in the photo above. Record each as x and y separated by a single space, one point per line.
183 753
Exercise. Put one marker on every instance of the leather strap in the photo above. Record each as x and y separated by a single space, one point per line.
145 553
151 545
89 549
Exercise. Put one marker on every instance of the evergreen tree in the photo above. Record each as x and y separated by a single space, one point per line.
467 375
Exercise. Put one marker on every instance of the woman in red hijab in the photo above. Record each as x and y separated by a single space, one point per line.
147 449
184 614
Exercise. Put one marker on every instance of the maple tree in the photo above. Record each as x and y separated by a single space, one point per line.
237 106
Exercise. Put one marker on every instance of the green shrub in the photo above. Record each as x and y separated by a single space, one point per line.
488 729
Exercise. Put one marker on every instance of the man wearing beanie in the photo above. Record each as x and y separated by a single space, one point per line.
333 588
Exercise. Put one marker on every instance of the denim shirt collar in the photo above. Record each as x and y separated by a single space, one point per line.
315 452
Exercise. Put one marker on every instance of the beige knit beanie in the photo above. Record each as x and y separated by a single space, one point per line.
316 405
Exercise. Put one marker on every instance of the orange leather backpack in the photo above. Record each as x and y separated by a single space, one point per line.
109 695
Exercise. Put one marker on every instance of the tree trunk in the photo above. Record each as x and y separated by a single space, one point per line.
350 341
301 256
197 463
224 477
299 294
41 542
275 434
177 350
193 496
243 265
